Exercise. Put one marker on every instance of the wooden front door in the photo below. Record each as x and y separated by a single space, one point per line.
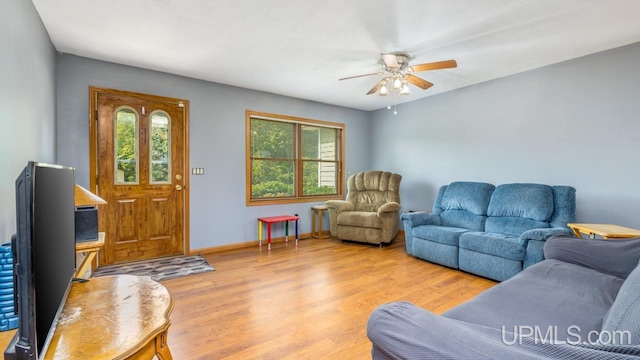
140 171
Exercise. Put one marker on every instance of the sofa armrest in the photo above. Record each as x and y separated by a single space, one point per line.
401 330
404 331
418 218
614 257
339 205
391 206
533 240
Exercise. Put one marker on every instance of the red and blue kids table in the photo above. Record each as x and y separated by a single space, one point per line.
274 219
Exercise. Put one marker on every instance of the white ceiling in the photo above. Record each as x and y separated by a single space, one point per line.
301 48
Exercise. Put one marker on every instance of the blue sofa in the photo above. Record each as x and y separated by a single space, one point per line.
581 302
490 231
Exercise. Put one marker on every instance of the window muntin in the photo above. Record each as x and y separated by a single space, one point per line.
292 159
126 146
160 148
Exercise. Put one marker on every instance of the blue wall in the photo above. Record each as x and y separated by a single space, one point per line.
218 212
27 100
574 123
571 123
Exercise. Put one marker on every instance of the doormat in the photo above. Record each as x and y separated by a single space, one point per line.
159 269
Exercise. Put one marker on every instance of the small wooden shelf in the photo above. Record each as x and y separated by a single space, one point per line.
90 249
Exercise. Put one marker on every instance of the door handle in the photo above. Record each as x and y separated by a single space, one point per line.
178 187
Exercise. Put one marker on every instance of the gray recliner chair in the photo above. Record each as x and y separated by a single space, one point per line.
370 212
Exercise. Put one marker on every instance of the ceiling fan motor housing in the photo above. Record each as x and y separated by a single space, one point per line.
400 64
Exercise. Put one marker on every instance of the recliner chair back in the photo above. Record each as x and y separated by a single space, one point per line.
369 190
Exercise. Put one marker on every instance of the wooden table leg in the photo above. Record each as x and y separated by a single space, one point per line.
286 231
82 269
313 223
259 233
319 224
576 232
162 347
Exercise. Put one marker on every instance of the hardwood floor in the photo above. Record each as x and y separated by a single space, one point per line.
309 302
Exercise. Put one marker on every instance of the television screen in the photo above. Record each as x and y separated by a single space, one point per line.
44 254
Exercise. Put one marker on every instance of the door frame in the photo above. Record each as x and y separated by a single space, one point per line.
93 146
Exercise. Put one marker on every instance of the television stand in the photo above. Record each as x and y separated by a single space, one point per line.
113 317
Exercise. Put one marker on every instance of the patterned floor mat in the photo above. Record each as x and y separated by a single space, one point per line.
159 269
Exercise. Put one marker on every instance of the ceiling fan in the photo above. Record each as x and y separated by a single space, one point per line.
398 73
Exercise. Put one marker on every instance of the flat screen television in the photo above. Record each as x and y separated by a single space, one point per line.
44 255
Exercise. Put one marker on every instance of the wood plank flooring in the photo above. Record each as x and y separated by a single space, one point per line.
305 302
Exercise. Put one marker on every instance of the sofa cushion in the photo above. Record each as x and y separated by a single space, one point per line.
359 218
368 207
516 208
441 234
470 196
624 314
531 201
549 293
501 245
463 219
464 204
514 226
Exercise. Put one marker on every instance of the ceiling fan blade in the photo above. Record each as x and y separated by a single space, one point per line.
390 60
375 88
421 83
435 65
357 76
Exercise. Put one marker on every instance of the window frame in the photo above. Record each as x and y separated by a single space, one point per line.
299 161
169 149
136 139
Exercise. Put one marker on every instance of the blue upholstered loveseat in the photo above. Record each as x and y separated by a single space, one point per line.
490 231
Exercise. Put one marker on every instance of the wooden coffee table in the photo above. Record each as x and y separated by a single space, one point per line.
113 317
606 231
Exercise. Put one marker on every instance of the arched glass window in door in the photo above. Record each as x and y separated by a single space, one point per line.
160 148
126 146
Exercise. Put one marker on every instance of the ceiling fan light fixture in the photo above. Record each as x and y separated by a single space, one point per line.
383 89
405 89
397 83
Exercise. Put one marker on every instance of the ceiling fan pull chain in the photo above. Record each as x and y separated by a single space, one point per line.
395 103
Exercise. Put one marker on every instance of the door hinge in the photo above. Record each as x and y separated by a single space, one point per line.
96 179
96 115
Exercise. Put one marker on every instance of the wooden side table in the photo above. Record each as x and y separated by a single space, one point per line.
607 231
317 211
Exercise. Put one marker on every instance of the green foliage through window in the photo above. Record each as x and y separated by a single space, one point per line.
160 153
293 159
126 146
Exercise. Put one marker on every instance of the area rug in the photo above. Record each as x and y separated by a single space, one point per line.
159 269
